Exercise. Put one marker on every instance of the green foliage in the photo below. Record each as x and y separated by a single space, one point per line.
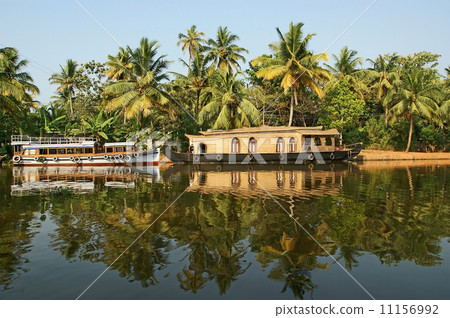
430 139
341 109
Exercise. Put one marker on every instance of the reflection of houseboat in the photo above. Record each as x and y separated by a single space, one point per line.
282 182
266 144
36 180
75 151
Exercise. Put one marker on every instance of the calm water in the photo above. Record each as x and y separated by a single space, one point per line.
226 237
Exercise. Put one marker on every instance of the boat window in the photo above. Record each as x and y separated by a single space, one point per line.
70 151
26 152
129 148
42 151
328 141
317 141
88 150
252 145
118 149
307 144
79 150
61 151
52 151
280 145
109 149
32 151
16 148
337 141
202 148
235 145
292 145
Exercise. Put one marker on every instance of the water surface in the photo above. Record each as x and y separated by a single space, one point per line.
226 236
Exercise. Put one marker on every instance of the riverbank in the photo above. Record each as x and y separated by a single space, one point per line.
381 155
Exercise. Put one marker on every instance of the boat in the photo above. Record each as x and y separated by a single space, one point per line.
78 151
265 144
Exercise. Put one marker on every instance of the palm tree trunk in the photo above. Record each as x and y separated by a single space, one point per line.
411 125
70 104
232 117
291 113
197 104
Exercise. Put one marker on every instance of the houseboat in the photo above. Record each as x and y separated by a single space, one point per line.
78 151
266 144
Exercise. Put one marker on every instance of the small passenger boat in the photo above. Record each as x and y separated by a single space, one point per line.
266 144
78 151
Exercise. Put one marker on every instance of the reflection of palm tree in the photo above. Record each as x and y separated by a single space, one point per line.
349 253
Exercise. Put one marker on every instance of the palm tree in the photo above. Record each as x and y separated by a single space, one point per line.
97 127
229 106
191 41
119 66
222 51
297 66
383 77
197 78
415 95
136 96
346 67
66 81
16 87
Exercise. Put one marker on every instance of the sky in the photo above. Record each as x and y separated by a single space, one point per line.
48 32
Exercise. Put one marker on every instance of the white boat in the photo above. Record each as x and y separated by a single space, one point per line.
78 151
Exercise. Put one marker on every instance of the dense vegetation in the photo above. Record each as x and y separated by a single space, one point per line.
400 102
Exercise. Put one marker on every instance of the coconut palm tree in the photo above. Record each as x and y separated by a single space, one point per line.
17 90
415 95
197 78
297 66
385 67
223 53
136 96
119 67
191 41
66 81
228 106
346 67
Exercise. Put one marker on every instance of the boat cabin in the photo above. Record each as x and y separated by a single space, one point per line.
117 148
266 139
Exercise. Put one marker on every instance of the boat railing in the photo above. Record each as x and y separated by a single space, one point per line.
18 139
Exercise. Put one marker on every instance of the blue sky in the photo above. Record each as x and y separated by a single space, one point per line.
49 32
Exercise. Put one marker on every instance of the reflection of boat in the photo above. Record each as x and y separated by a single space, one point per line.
78 151
266 144
289 180
35 180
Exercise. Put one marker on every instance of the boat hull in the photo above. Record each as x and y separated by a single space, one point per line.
146 158
263 158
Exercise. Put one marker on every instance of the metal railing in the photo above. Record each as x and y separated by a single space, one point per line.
50 140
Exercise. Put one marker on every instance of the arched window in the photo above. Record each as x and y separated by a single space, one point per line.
292 145
235 145
280 145
252 145
328 141
317 141
202 148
